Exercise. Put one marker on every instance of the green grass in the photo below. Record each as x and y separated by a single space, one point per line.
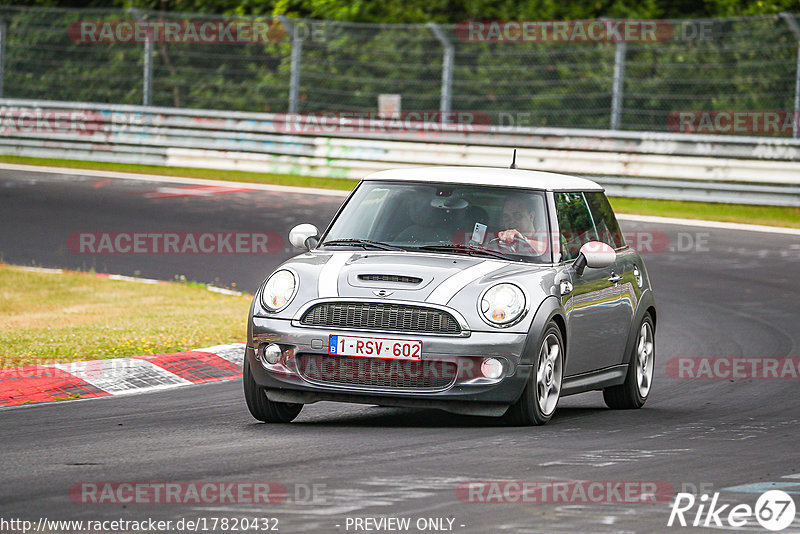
53 318
739 213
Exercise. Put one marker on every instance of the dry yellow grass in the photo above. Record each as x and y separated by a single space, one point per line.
49 318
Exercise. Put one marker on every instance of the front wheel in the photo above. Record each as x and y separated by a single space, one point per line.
639 380
540 397
260 406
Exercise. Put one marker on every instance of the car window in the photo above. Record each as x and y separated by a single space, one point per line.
604 219
575 223
361 224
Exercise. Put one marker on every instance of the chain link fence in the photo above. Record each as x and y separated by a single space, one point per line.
308 66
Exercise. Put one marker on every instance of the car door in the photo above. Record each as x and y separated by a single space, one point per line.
608 232
596 314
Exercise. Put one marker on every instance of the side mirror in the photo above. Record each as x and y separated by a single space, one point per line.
304 236
596 255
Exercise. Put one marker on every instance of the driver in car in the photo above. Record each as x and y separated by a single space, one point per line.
518 221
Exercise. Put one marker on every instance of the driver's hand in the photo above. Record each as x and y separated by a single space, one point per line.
508 236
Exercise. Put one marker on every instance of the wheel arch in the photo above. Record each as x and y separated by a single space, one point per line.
647 305
550 310
652 311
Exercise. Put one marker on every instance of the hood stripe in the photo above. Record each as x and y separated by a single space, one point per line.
328 281
448 289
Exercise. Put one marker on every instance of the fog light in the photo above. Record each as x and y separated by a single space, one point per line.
492 368
272 353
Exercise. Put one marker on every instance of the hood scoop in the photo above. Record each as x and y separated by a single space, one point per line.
394 281
390 278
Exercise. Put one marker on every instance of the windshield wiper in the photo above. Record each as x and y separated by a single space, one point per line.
469 249
362 242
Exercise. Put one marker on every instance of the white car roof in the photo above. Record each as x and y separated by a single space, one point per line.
549 181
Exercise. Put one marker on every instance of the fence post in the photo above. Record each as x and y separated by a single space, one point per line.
297 56
2 54
619 84
447 67
147 90
147 61
790 20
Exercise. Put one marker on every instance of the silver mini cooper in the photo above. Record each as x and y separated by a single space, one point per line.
472 290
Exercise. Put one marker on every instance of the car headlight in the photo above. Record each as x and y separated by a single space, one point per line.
502 304
279 290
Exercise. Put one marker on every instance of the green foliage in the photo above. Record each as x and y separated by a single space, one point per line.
738 64
445 11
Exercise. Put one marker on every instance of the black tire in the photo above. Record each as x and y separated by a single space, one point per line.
260 406
527 411
628 396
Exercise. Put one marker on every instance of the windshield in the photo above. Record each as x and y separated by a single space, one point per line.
434 217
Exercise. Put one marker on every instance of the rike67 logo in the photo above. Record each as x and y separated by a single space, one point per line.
774 510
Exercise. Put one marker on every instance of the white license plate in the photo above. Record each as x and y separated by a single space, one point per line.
375 347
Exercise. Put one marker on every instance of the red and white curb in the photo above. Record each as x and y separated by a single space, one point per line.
103 378
137 374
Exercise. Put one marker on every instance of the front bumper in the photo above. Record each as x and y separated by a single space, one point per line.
467 392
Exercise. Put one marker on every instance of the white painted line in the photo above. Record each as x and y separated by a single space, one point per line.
224 291
37 269
123 278
173 179
709 224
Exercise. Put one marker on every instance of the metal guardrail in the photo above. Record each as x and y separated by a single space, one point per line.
747 170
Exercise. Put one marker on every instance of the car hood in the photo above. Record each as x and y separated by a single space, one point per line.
410 277
452 280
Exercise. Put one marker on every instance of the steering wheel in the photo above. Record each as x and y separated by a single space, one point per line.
513 246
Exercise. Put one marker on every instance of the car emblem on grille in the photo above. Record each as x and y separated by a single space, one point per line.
382 293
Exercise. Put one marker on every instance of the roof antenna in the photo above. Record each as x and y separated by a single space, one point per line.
513 160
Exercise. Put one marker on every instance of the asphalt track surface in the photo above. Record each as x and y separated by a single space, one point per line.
737 295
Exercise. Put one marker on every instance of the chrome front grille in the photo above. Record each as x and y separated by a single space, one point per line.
381 316
379 373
